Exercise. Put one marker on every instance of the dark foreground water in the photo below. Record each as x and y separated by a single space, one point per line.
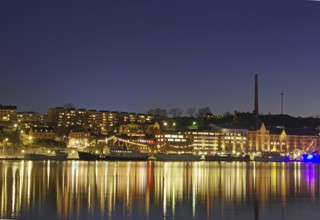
159 190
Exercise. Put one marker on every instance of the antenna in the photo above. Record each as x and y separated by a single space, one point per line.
281 102
256 98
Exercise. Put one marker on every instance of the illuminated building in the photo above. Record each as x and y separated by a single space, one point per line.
219 140
173 142
283 140
132 117
79 138
96 121
141 142
141 118
41 133
67 117
8 114
259 140
30 117
135 128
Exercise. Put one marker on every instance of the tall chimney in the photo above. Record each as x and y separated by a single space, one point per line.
256 98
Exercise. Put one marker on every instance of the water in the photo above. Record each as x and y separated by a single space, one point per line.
158 190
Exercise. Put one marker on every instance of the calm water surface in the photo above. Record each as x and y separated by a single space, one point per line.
159 190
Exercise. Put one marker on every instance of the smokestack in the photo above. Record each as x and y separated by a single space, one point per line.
256 98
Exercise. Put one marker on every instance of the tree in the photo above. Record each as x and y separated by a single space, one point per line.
202 112
69 105
158 112
191 112
227 114
175 112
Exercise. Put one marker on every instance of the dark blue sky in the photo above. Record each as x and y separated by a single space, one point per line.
135 55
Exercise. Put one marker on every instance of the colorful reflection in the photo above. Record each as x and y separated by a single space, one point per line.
156 190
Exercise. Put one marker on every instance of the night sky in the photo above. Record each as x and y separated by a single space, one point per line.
136 55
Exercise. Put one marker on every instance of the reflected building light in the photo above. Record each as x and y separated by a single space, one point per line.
299 176
254 175
21 182
29 170
194 200
283 186
73 176
4 191
110 201
128 188
164 197
274 179
13 205
295 175
48 175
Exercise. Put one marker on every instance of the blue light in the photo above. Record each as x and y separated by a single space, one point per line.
309 157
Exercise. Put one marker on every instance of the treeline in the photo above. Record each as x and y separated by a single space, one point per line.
178 112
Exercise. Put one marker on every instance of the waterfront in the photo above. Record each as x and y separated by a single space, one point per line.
159 190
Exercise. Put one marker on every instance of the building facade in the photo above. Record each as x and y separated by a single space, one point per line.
30 117
219 140
8 114
283 140
97 121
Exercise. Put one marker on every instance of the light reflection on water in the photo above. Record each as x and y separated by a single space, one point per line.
158 190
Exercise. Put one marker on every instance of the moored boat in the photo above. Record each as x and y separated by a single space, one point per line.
115 154
271 157
177 157
44 156
313 157
227 157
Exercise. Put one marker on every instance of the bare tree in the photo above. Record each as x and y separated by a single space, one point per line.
203 112
158 111
150 112
191 111
69 105
175 112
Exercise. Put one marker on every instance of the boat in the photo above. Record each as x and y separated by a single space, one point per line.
313 157
271 157
115 154
177 157
227 157
46 156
